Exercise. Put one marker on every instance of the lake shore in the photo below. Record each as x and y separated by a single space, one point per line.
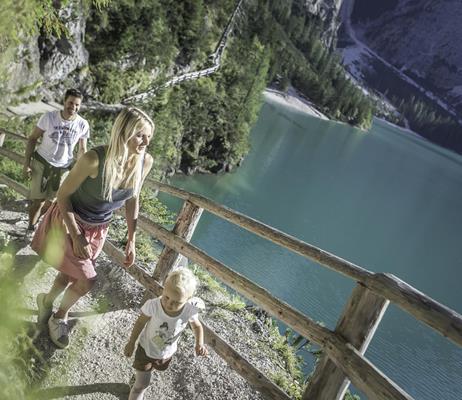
293 100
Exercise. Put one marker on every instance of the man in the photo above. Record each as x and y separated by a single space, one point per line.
47 165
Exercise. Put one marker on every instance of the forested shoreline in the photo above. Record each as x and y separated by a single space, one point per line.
204 125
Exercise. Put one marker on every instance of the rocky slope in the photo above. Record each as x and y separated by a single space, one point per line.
421 38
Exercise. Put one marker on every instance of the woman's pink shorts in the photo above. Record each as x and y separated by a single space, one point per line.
52 228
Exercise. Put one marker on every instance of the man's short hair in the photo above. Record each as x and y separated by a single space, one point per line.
73 93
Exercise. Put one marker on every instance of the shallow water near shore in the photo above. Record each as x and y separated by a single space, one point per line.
385 200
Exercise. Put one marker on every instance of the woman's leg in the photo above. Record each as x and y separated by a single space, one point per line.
45 300
57 324
142 380
73 293
59 285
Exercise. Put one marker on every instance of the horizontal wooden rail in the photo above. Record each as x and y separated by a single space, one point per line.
12 155
289 242
14 185
13 135
240 364
436 315
441 318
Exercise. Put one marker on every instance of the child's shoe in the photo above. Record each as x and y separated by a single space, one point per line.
59 332
44 311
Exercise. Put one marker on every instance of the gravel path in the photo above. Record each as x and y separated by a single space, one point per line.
93 366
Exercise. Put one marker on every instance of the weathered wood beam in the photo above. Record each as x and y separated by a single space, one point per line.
12 155
436 315
6 132
357 325
14 185
186 223
363 374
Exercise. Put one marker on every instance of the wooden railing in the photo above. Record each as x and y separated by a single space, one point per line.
343 357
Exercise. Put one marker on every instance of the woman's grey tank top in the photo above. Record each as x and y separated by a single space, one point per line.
88 202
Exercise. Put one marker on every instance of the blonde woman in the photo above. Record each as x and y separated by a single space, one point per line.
102 181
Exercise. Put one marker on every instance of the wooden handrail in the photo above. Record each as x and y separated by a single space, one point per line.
439 317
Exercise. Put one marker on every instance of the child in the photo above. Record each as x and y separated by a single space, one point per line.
161 322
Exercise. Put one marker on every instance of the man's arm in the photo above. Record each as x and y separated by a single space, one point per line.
36 134
137 328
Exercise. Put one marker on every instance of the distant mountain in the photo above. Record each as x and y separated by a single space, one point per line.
422 38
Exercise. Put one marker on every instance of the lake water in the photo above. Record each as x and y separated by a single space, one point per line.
386 200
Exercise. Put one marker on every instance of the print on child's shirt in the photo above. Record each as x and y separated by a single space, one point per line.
163 338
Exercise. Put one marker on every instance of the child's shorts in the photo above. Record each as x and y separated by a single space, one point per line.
144 363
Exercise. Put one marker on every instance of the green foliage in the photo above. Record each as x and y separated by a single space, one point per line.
14 341
151 206
292 388
234 304
292 360
299 55
207 281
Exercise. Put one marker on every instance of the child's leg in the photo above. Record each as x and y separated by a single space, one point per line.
143 378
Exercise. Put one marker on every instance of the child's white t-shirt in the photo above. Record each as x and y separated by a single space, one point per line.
160 335
60 137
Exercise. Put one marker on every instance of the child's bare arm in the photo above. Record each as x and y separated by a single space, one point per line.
137 328
198 331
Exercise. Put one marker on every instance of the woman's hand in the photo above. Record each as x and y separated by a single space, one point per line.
129 348
27 171
81 247
130 253
201 350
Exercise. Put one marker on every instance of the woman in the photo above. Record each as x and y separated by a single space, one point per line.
103 180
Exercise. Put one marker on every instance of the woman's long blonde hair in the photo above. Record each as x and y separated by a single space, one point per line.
127 124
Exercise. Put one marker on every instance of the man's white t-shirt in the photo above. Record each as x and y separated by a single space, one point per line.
160 335
60 137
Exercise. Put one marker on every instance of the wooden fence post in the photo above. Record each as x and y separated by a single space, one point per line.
185 225
357 325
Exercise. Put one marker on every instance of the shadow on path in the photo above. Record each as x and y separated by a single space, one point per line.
120 390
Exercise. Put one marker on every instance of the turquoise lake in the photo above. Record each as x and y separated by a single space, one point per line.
385 200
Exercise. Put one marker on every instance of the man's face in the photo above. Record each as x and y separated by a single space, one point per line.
72 106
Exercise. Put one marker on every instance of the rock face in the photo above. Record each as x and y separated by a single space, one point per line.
62 56
422 38
24 77
44 62
327 11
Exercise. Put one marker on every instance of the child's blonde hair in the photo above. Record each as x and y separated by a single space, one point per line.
127 124
183 280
